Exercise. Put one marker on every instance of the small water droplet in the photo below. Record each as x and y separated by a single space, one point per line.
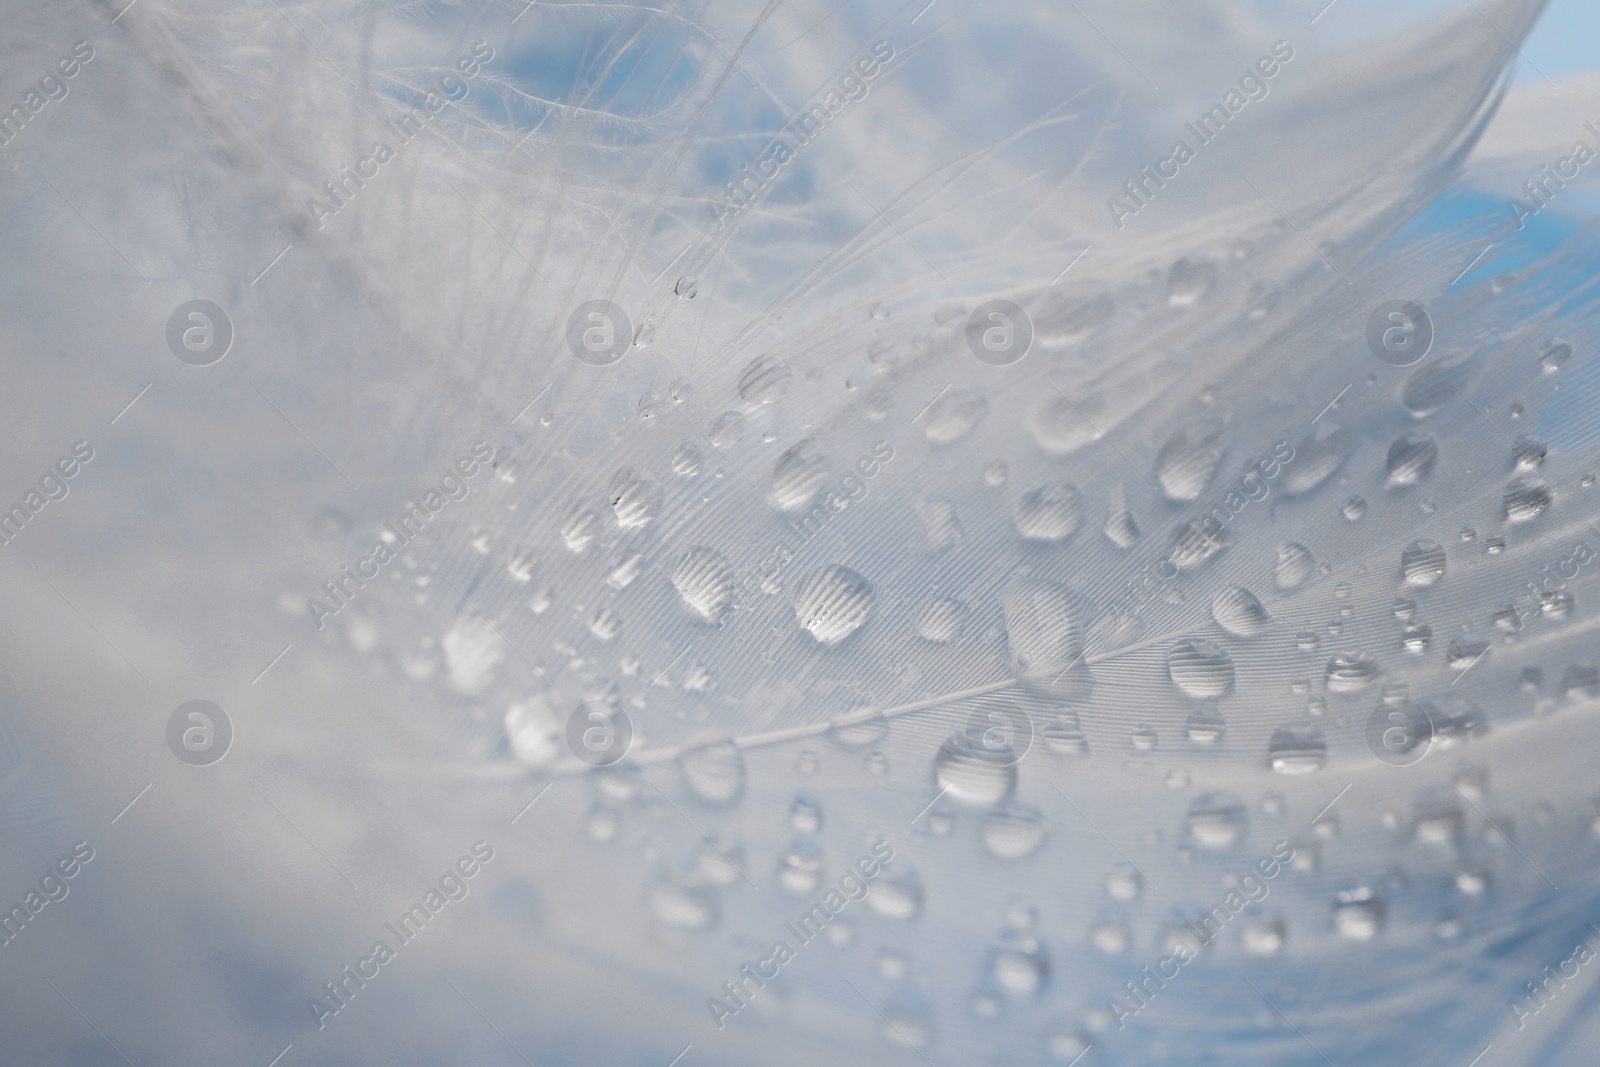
1358 914
1049 513
1295 565
1217 820
686 287
765 380
1205 726
1411 457
1011 831
833 603
714 771
1200 668
1350 672
1422 563
1237 611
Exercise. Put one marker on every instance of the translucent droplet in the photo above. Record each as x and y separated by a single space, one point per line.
534 731
1358 914
687 461
797 476
1186 463
765 380
1217 820
940 619
1411 457
705 580
1188 282
727 430
953 415
1044 636
995 472
896 896
1527 452
859 728
634 500
833 603
1205 726
1354 509
1237 611
1049 513
1555 354
1020 971
1201 669
686 287
1143 739
1124 884
1295 565
1263 937
800 869
1526 498
1350 672
805 816
1422 563
1066 737
1012 832
681 907
1291 753
1434 385
968 772
714 771
579 528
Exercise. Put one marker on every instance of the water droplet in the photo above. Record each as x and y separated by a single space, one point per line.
719 863
1295 565
1120 528
797 476
644 335
1555 354
686 287
800 869
634 500
714 771
1434 385
681 907
859 728
1358 914
1264 937
1188 282
940 619
1525 498
765 380
969 773
953 415
534 731
1411 457
1187 461
1415 637
897 896
1124 884
1217 820
1205 726
1201 669
1354 509
1143 739
705 580
605 624
1044 636
1111 938
1350 672
1314 463
1012 832
995 472
686 461
579 529
1049 513
1291 753
602 824
805 816
1422 563
727 430
1020 969
1193 544
1237 611
1465 650
1527 452
1065 736
833 603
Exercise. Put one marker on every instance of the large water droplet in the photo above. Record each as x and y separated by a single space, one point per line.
1237 611
705 580
1201 669
1291 753
1295 565
1411 457
1526 498
765 380
1012 831
1044 636
1187 461
833 603
940 619
797 476
634 500
1217 820
968 772
1434 385
953 415
1205 726
1422 563
1049 513
714 771
1350 672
